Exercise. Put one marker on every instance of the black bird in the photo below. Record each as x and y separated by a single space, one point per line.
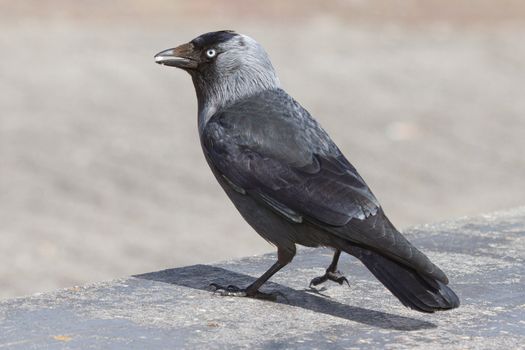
288 179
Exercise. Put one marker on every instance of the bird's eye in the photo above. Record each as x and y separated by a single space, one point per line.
211 53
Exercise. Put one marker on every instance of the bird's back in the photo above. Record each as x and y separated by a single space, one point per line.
271 149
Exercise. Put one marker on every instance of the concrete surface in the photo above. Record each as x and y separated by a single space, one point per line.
483 256
101 172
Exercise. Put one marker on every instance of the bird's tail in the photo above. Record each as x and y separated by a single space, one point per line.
413 289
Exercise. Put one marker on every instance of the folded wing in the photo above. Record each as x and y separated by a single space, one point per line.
270 148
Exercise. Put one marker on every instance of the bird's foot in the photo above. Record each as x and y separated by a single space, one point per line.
234 291
329 275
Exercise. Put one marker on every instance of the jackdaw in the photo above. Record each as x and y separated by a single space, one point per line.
288 179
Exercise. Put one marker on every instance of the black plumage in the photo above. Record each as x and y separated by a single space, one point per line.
213 38
293 185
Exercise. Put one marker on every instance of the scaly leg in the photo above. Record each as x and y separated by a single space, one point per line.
252 291
331 273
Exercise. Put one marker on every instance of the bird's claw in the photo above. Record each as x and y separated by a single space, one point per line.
230 291
332 276
234 291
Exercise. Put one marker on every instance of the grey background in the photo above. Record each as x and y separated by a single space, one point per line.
101 172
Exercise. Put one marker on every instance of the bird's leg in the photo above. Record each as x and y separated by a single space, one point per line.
331 273
252 291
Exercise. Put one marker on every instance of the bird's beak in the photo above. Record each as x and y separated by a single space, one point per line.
182 56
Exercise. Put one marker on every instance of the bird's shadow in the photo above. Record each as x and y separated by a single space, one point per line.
200 276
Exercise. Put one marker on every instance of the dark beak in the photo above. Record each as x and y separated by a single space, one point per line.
182 56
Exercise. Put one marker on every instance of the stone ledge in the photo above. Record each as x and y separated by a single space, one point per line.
483 256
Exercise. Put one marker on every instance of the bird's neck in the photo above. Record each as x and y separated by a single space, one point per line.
212 96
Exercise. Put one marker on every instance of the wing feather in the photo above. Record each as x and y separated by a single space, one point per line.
270 148
283 156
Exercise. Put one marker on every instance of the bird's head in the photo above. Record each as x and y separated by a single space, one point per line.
225 66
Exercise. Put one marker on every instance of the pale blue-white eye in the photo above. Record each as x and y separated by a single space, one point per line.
211 53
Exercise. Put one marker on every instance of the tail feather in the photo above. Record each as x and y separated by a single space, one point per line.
413 289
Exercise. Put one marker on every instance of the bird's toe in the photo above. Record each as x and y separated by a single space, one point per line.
336 276
318 280
341 279
231 290
234 291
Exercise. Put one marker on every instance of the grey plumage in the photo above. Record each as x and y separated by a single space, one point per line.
245 69
286 176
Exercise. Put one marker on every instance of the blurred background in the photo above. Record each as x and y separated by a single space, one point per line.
101 171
